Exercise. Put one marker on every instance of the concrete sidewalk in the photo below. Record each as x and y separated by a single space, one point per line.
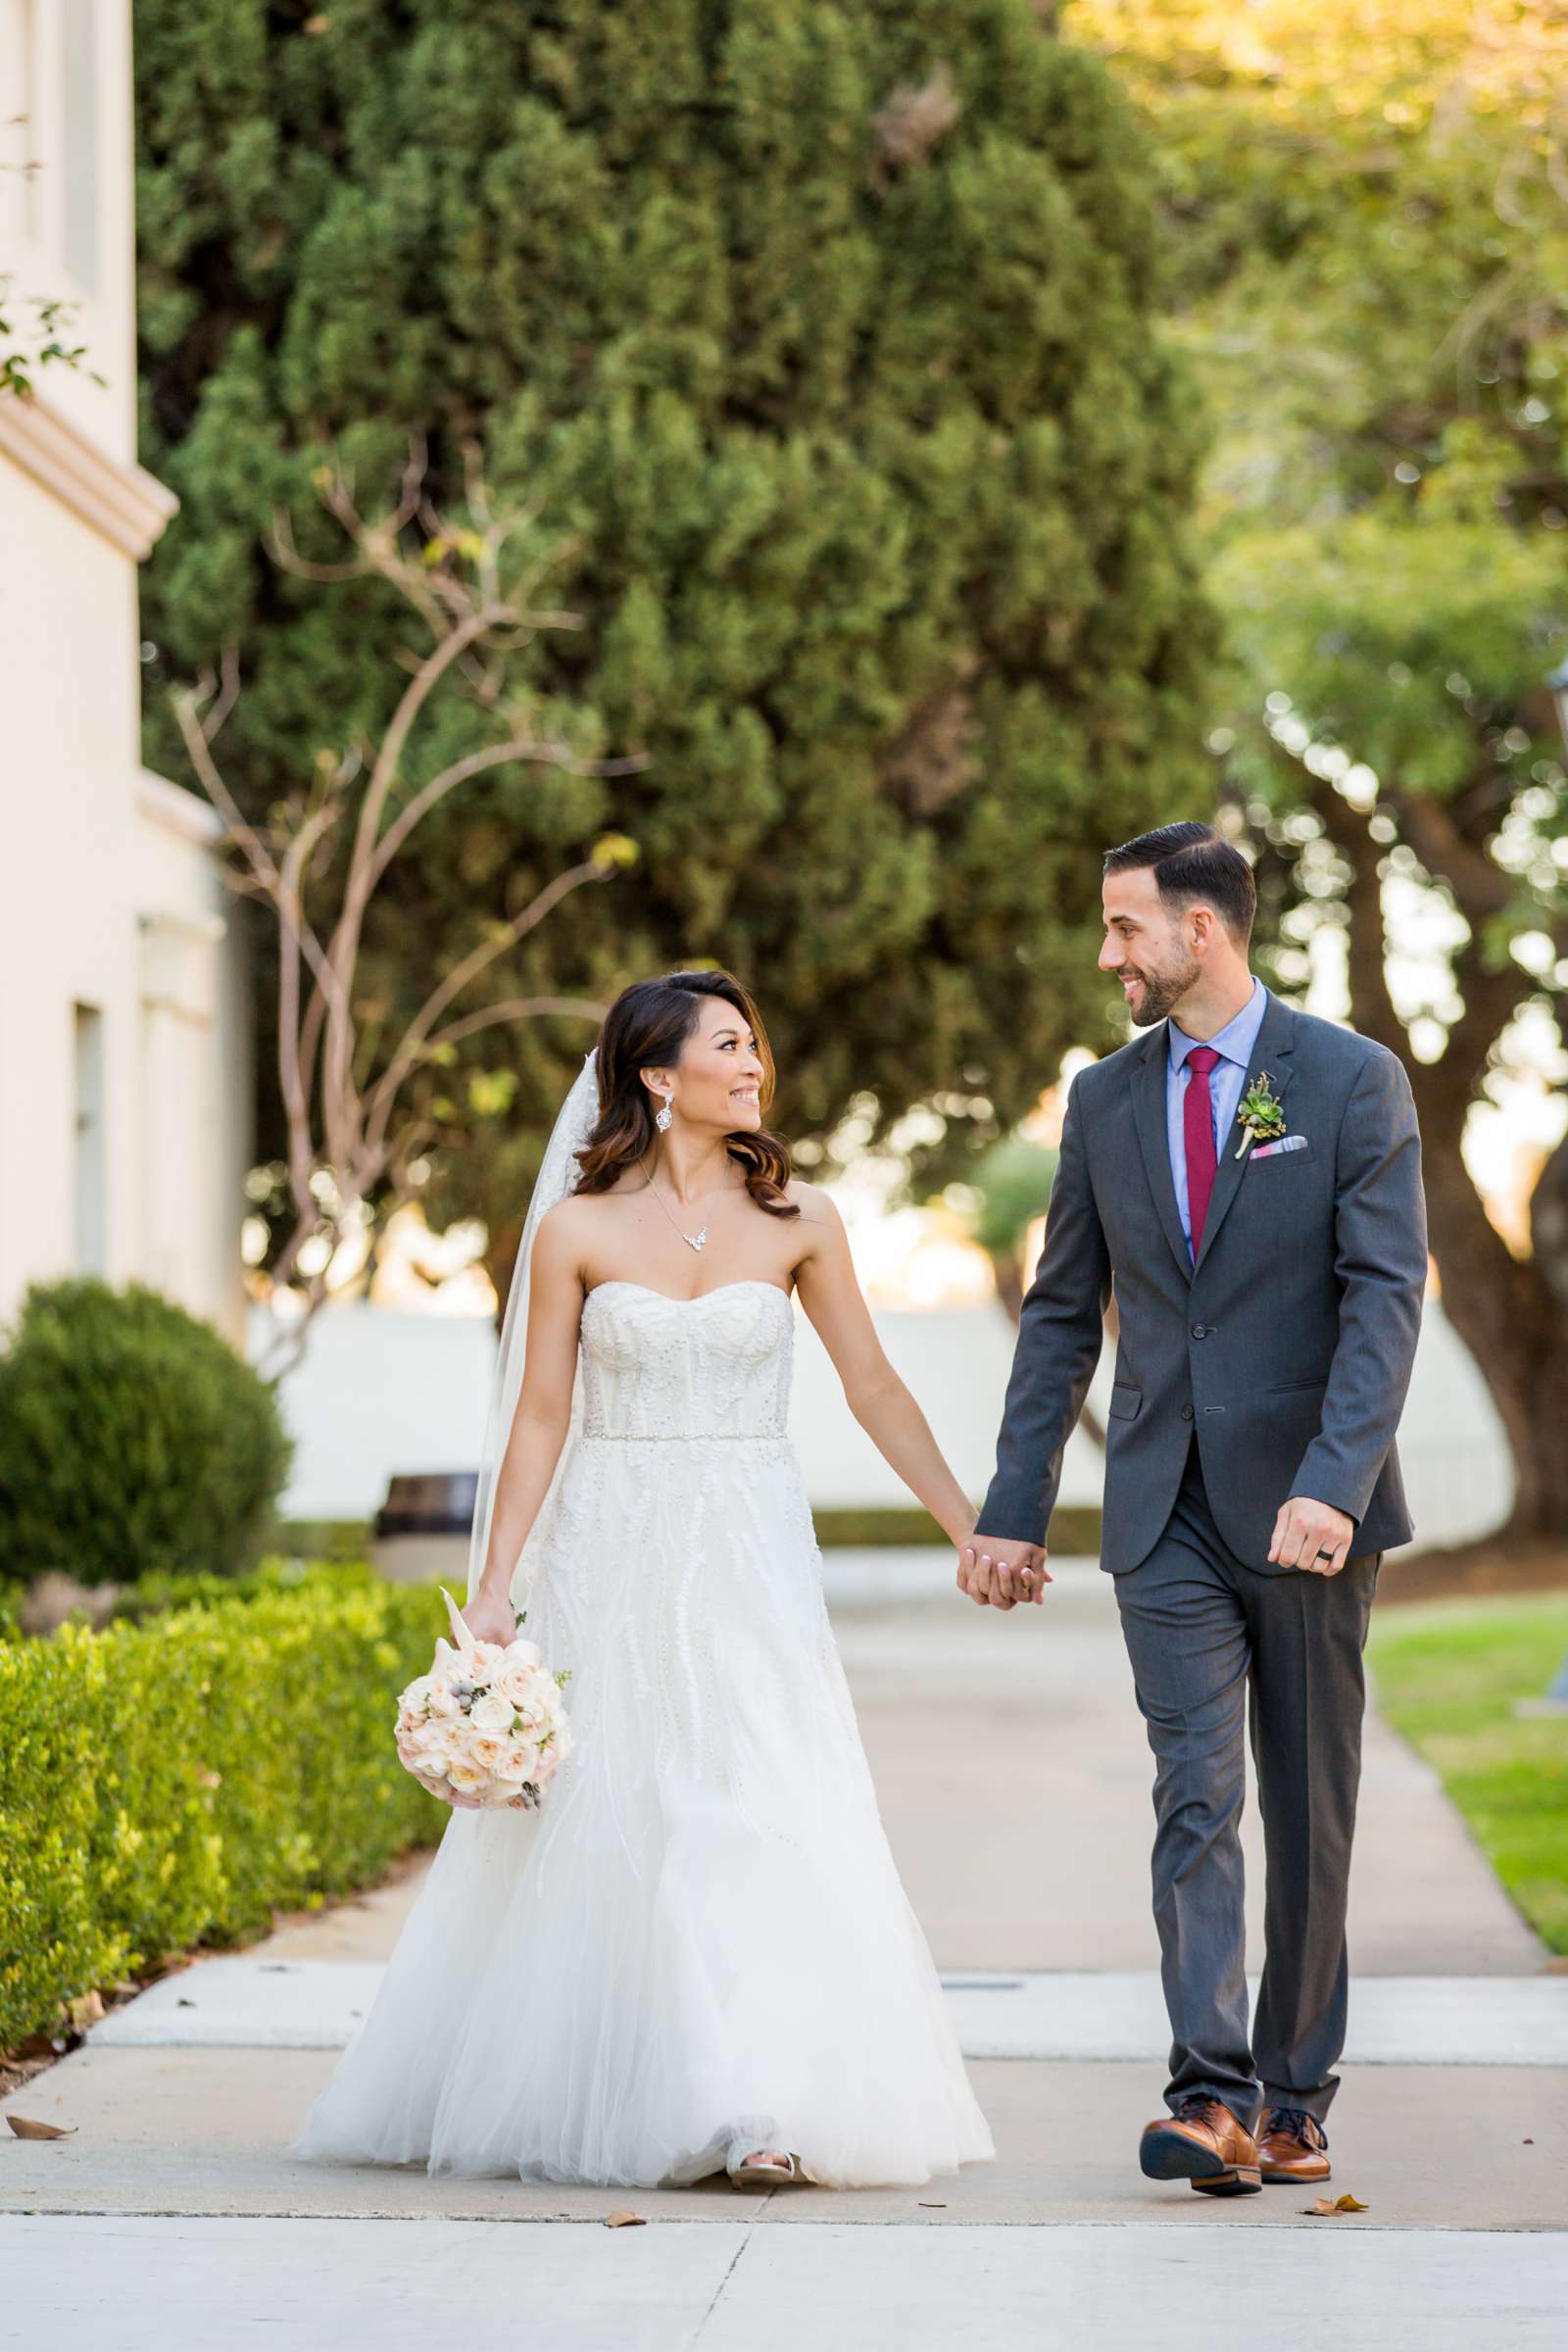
1015 1778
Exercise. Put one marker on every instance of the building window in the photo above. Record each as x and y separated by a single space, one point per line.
19 114
92 1253
79 145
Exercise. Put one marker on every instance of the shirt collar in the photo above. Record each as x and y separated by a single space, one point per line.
1234 1042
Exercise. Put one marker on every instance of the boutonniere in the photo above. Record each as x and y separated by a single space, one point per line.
1261 1116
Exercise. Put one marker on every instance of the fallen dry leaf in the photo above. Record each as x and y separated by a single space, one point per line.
27 2126
928 2206
1332 2205
626 2219
86 2009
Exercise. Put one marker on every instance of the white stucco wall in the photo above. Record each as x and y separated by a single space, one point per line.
111 900
380 1393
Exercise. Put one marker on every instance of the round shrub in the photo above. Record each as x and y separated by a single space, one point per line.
134 1441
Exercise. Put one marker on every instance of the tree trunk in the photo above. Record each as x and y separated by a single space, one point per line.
1507 1314
501 1242
1511 1314
1009 1289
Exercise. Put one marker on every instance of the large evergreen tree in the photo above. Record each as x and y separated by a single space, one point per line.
824 330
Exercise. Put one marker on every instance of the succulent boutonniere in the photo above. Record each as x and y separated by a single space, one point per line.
1261 1114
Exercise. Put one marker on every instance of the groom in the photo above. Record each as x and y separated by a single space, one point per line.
1249 1180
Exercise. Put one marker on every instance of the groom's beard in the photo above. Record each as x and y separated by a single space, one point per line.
1159 993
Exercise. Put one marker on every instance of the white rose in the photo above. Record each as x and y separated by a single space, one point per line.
518 1681
464 1773
443 1701
417 1693
491 1713
521 1760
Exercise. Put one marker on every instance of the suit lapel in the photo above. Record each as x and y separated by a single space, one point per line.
1154 1137
1276 1043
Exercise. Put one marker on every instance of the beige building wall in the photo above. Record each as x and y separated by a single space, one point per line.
124 1094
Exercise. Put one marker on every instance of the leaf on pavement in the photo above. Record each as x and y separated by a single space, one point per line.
27 2126
624 2218
1329 2206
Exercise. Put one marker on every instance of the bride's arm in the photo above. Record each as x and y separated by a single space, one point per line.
831 1295
544 1403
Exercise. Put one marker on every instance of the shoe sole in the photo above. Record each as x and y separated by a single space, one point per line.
1171 2156
764 2175
1301 2179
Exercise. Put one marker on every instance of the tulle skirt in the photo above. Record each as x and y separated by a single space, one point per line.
700 1944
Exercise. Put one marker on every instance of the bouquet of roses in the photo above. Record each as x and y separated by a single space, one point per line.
486 1721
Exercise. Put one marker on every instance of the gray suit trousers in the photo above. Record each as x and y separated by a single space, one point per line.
1204 1634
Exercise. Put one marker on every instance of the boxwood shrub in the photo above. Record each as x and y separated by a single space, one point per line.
133 1440
166 1784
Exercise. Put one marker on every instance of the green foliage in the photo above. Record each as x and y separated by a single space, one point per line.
1074 1529
166 1784
1013 1180
155 1594
27 347
1448 1676
840 378
1367 236
133 1438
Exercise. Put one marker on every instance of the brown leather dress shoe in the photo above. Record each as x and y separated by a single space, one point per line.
1291 2145
1203 2143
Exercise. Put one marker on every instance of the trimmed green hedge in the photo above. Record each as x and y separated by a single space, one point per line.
1074 1529
167 1785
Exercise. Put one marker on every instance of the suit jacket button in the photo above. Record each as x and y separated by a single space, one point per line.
1187 1412
1200 1331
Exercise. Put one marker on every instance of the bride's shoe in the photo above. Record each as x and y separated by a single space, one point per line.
764 2167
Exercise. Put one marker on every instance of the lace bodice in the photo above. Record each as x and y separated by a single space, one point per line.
714 1367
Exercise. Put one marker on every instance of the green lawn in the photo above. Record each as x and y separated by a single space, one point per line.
1448 1674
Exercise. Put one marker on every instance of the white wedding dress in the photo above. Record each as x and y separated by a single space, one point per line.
699 1944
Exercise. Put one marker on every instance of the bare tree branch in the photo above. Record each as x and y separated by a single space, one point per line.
348 1151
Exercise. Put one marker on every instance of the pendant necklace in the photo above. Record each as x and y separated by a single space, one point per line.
692 1241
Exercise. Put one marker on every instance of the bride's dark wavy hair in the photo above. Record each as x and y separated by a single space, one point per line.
646 1028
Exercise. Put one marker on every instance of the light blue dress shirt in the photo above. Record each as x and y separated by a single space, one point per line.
1235 1044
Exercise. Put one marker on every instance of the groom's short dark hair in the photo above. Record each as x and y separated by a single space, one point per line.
1193 862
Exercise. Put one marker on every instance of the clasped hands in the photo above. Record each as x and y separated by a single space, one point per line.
997 1572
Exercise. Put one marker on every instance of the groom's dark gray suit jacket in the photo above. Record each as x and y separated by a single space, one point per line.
1287 1348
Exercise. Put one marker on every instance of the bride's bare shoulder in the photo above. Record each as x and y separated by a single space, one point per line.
565 1230
816 1206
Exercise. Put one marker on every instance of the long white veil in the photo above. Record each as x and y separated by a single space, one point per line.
558 1173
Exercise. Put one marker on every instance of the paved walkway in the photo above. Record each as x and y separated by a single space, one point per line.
1014 1781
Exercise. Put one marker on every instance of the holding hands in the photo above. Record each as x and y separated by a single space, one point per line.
997 1572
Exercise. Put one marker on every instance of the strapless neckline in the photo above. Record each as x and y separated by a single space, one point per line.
747 1282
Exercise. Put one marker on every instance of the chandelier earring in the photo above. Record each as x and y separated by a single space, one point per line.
666 1119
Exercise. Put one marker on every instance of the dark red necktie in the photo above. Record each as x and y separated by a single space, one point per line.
1197 1133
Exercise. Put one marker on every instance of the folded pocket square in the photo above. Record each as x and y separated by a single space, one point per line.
1287 1143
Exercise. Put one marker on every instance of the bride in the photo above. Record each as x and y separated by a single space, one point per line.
697 1955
